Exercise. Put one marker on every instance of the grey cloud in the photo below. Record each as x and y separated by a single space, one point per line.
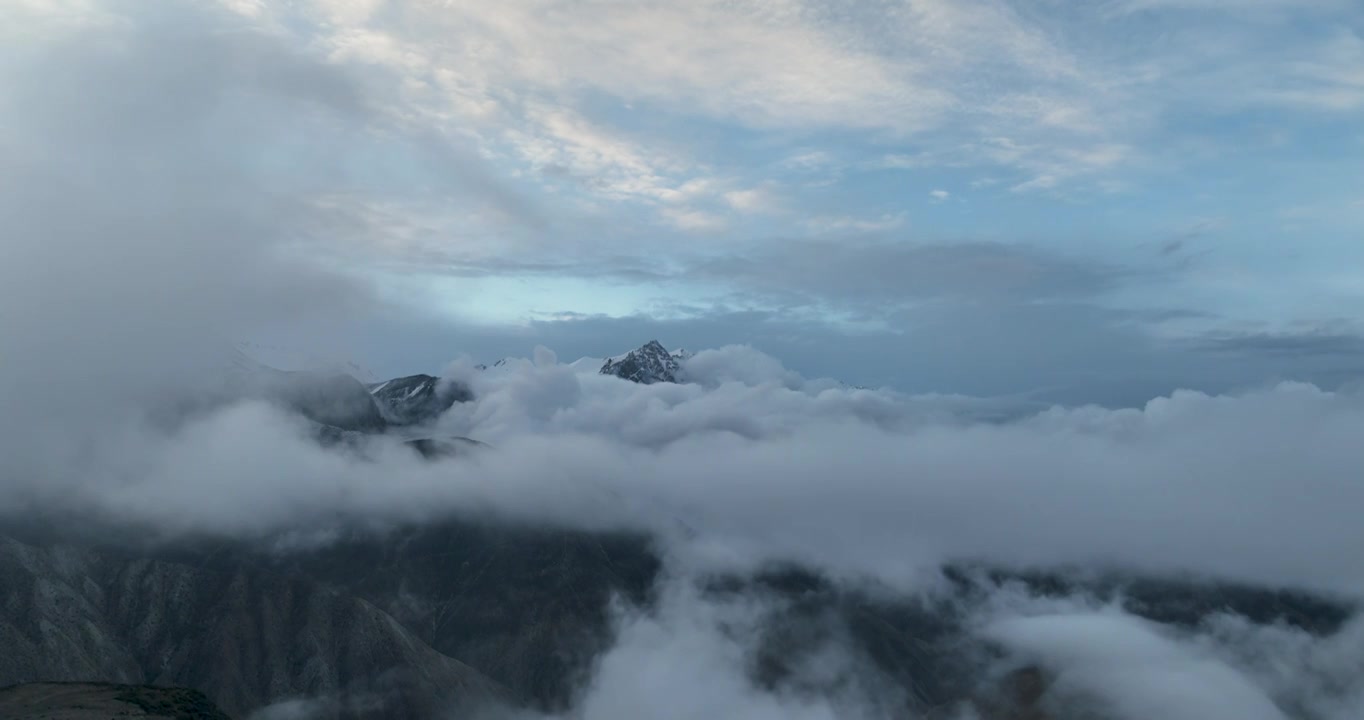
751 467
611 268
1304 344
137 234
870 271
1056 352
1131 667
160 192
1173 246
974 318
159 206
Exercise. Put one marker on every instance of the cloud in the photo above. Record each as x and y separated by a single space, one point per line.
662 659
763 466
846 223
754 200
1131 667
732 63
939 195
613 166
1307 676
1323 343
1229 5
1329 80
694 220
147 227
888 273
1041 182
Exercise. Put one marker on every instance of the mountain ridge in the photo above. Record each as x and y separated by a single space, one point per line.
648 364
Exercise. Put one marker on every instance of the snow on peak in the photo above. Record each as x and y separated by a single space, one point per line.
650 363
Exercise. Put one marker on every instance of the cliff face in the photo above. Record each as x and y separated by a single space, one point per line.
245 637
528 607
425 621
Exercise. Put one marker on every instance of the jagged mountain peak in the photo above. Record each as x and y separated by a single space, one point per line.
649 363
417 398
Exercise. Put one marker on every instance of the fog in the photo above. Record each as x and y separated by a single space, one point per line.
139 246
870 487
1256 487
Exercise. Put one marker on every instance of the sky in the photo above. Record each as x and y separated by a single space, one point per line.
1089 202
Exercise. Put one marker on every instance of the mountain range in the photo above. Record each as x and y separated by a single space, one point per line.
648 364
479 617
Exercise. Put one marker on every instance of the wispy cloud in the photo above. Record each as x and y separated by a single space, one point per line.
754 200
694 220
846 223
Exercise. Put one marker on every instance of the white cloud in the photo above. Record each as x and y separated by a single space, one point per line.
762 466
690 659
254 9
693 220
1235 6
1041 182
844 223
939 195
1131 668
788 64
809 160
899 161
754 200
1332 79
610 164
722 59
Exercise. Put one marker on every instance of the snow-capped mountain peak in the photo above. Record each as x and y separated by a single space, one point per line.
647 364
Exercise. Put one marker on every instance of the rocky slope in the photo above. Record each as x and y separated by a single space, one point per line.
101 701
650 363
245 636
527 607
423 620
417 398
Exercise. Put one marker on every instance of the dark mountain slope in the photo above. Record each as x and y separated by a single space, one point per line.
101 701
527 607
417 398
246 637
